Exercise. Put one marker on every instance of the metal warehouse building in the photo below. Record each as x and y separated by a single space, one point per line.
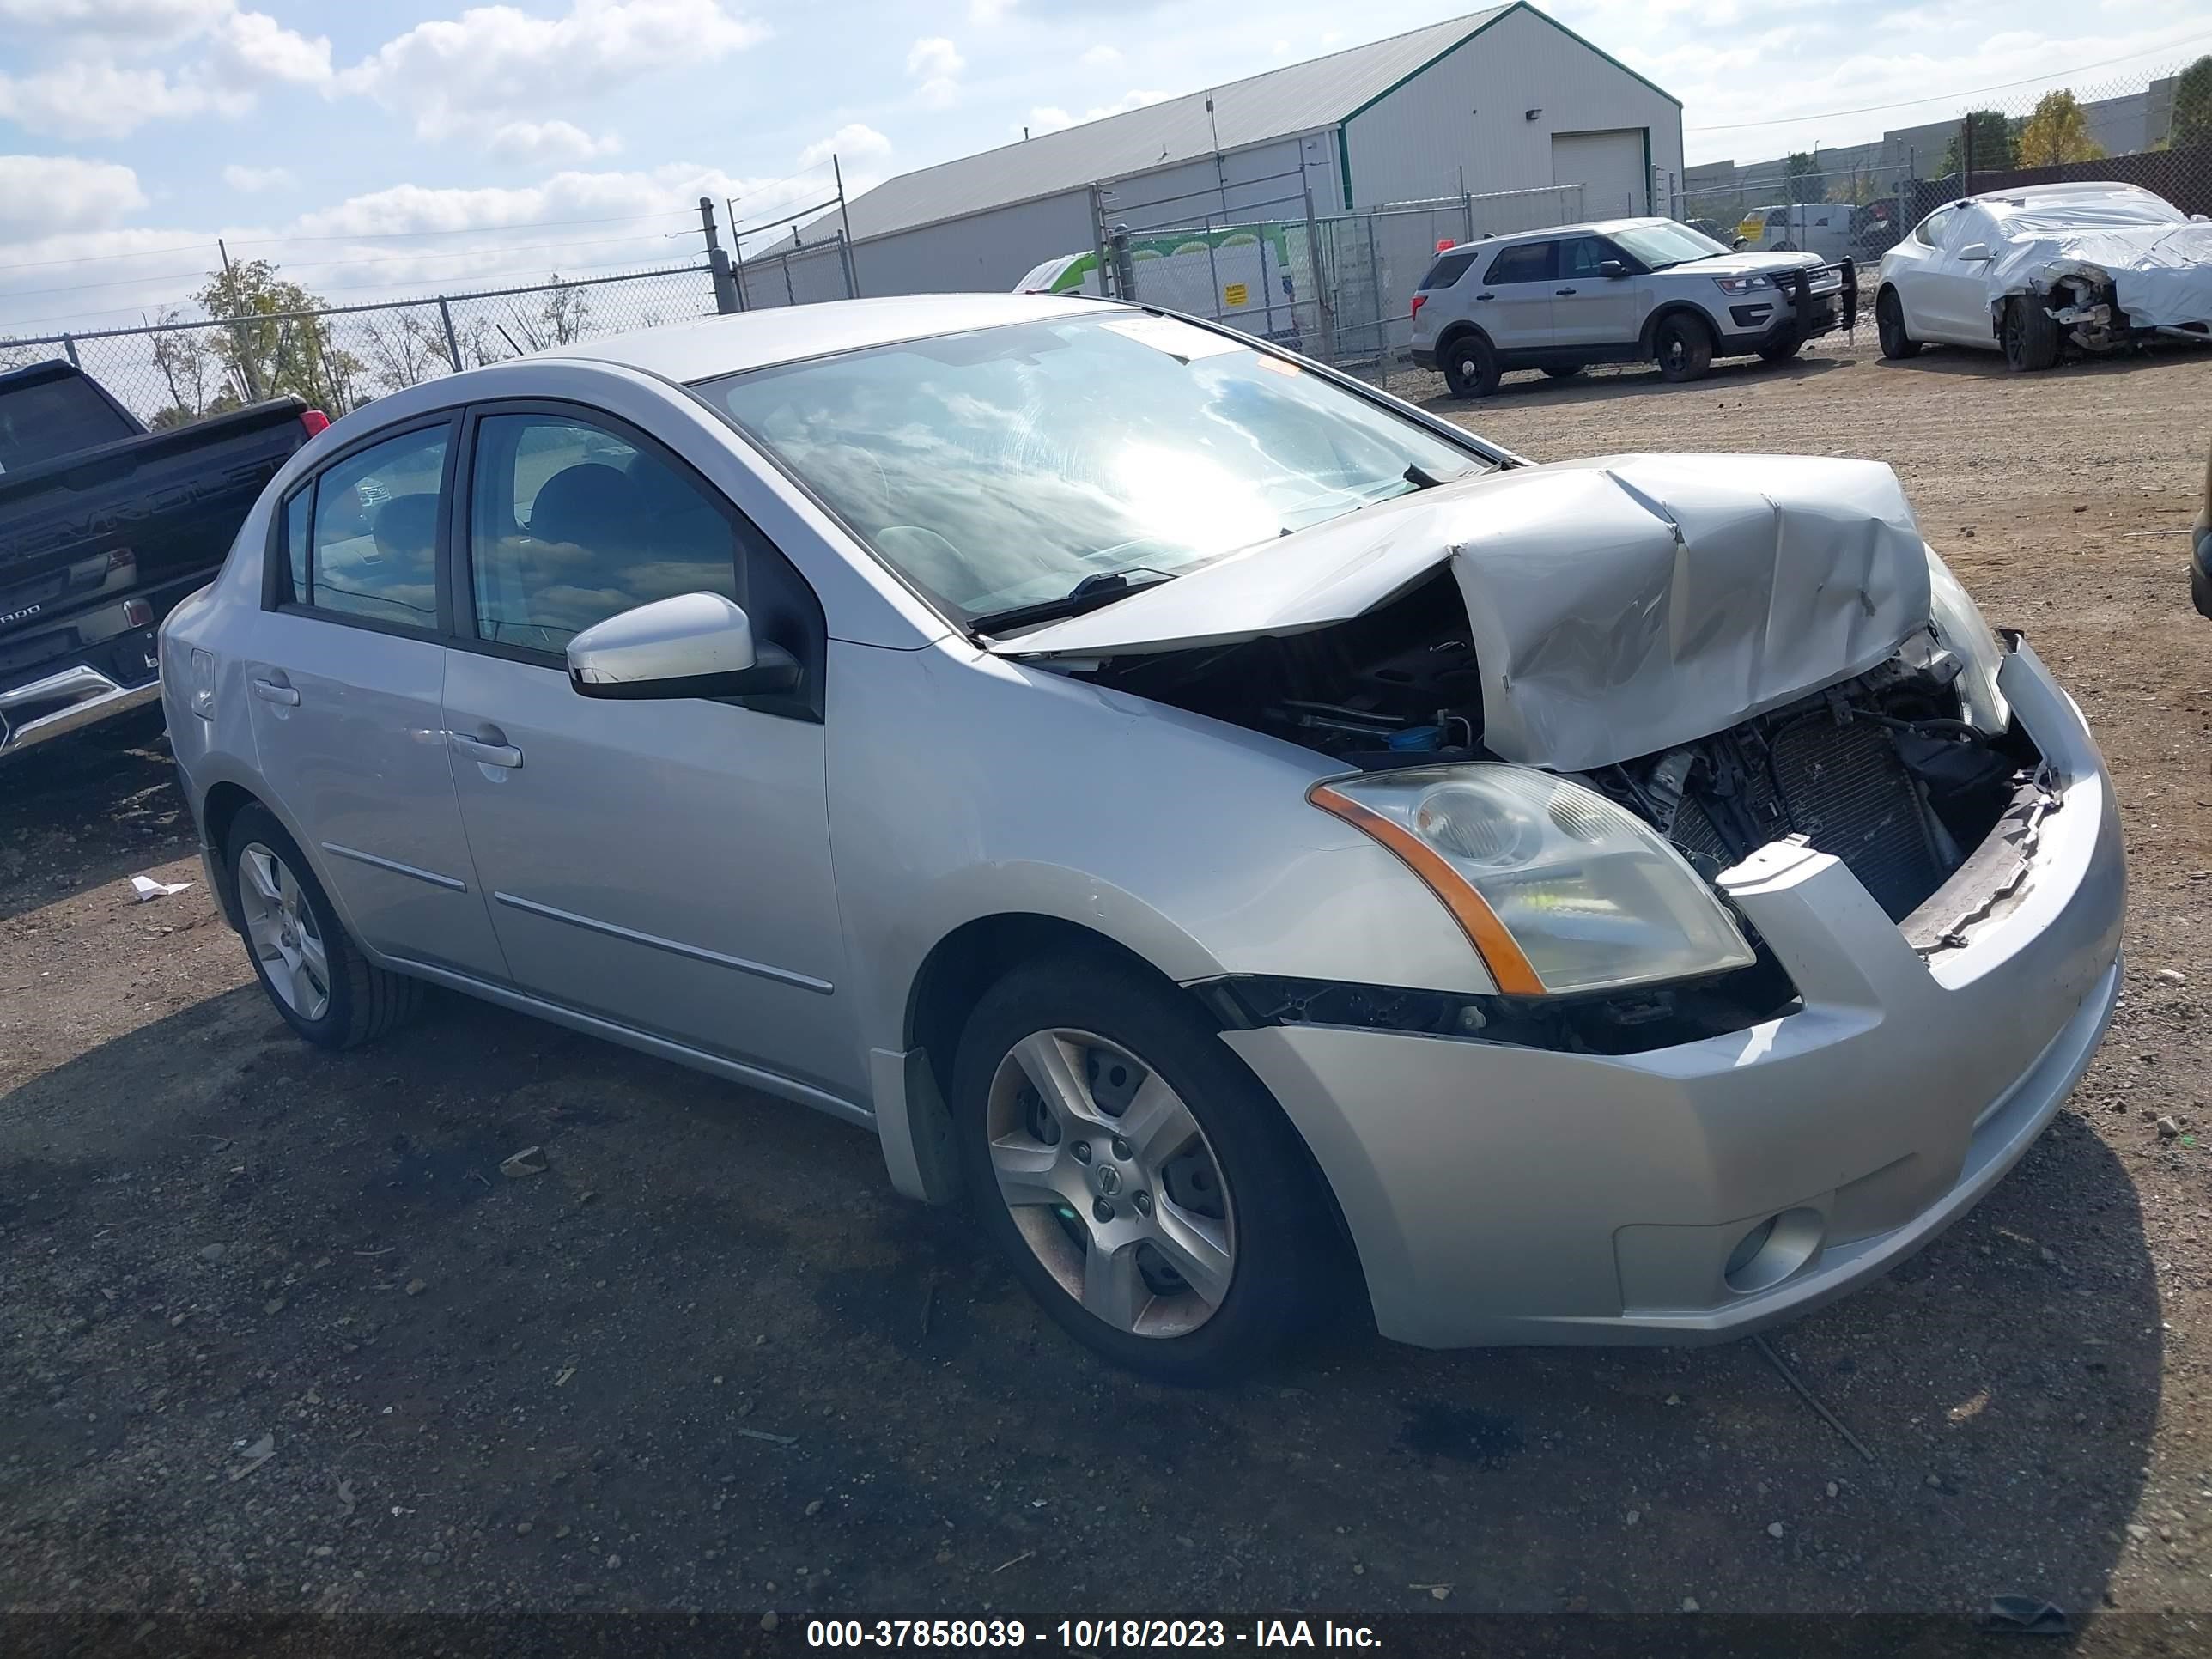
1516 119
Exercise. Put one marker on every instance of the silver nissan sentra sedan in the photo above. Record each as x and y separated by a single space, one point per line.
1268 847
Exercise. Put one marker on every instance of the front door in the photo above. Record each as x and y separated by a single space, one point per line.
662 863
345 685
1588 309
1513 302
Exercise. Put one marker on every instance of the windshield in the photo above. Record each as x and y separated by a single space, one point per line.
1000 468
1666 244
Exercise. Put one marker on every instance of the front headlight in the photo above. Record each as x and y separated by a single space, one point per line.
1961 629
1742 284
1557 887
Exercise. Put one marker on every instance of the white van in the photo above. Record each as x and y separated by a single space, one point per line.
1822 227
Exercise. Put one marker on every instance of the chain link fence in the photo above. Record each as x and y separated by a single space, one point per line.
177 369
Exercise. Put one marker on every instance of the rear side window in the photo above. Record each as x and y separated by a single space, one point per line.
1531 262
1449 267
1933 227
371 536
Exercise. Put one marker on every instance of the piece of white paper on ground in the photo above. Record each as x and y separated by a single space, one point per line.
146 888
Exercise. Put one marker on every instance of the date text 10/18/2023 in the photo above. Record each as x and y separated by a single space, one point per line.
1087 1635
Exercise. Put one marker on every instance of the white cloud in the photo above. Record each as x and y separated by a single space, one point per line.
1103 55
45 195
460 75
988 12
935 58
548 142
936 62
851 142
253 48
1050 118
251 181
93 97
126 25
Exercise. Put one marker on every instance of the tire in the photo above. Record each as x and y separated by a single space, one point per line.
1783 350
1240 1199
285 920
1566 371
1889 327
1683 346
2030 338
1470 366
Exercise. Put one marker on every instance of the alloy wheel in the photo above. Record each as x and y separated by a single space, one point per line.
280 927
1111 1183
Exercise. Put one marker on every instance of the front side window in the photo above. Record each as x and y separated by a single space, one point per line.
1582 255
1531 262
373 549
999 468
570 523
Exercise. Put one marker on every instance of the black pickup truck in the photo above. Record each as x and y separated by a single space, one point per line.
104 526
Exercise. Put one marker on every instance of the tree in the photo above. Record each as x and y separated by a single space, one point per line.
2192 105
192 370
267 349
563 315
2058 132
1801 178
405 350
1987 144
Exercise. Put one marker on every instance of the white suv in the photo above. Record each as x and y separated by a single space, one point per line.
1626 290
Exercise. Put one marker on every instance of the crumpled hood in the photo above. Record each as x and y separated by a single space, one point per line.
2162 274
1618 606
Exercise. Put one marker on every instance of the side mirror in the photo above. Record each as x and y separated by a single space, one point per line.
1740 244
1975 251
695 645
1611 269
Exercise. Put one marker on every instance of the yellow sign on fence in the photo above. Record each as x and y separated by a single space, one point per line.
1237 293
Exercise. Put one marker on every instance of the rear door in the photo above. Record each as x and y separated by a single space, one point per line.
1514 302
346 689
1588 309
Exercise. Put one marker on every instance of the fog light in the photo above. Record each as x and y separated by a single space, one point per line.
1773 1250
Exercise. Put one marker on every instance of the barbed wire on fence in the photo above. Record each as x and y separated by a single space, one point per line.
175 368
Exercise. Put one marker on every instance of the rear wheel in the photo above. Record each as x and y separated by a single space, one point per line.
1889 327
1470 366
1140 1182
320 981
2029 335
1684 347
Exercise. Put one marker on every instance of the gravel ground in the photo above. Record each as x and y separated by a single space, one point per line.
277 1335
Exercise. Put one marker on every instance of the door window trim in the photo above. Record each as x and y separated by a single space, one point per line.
457 573
276 565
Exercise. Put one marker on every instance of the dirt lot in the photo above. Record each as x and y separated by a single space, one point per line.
708 1360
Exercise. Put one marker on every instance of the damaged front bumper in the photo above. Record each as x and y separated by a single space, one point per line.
1500 1195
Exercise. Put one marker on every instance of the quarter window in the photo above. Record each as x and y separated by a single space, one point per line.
570 523
373 552
1933 227
1531 262
1449 267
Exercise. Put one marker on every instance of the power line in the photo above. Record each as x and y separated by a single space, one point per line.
1941 97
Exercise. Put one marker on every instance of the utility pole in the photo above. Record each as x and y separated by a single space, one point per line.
238 338
717 262
852 265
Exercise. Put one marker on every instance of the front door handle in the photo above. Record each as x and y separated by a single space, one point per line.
270 691
1562 293
490 754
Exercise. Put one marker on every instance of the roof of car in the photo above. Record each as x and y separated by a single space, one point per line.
2078 189
1589 227
709 346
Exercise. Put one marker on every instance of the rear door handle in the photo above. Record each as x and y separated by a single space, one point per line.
490 754
271 691
1562 293
1485 296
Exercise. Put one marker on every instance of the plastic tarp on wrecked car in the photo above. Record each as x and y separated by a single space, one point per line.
2158 258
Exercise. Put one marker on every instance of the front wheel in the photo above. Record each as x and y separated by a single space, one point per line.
1142 1186
1565 371
1889 327
2029 335
1781 350
1470 366
320 981
1684 347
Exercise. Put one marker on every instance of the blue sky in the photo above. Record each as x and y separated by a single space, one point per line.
399 146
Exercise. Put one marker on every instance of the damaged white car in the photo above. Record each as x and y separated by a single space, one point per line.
2096 266
1277 854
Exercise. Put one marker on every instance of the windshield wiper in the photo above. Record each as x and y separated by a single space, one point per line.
1094 591
1421 479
